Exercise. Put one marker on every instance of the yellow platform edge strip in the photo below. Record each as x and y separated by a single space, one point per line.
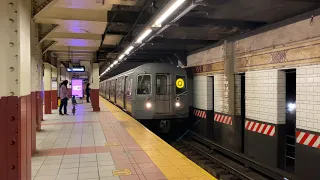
171 162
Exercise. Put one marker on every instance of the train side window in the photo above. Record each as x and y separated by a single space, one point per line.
144 84
181 84
162 84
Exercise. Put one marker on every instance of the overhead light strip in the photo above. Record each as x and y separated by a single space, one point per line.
143 36
129 49
147 32
167 13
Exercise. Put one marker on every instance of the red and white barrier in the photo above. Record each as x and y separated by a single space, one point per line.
308 139
260 128
200 113
223 119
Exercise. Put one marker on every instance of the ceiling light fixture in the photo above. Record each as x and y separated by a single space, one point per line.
144 35
169 11
120 57
128 50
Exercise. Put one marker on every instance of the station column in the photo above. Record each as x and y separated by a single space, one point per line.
47 88
15 90
94 94
54 88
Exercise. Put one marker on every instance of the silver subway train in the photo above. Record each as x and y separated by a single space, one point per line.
153 91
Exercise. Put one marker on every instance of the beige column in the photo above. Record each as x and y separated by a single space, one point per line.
54 88
47 88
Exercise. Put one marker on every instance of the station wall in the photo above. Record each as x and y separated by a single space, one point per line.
264 59
202 92
308 98
265 96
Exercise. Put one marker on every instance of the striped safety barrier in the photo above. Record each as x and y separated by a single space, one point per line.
223 119
260 128
200 113
308 139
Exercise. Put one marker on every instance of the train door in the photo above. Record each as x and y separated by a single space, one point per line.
124 88
128 94
162 102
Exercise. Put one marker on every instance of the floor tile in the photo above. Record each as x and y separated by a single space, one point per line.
45 178
67 177
69 171
89 175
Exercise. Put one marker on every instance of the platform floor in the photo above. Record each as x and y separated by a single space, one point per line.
106 145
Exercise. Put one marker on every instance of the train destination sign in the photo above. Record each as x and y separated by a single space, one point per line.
180 83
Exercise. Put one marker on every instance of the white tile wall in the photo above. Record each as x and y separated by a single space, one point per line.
202 92
265 96
308 98
221 94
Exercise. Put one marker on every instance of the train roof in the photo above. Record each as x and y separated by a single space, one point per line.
161 66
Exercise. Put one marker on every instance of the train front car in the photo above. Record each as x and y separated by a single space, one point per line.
155 94
160 95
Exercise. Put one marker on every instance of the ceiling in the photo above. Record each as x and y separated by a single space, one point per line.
99 30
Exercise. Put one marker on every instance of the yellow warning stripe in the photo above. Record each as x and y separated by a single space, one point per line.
171 162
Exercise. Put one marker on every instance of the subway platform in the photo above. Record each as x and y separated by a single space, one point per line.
106 145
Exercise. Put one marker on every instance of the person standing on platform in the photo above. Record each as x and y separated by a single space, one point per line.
88 92
64 93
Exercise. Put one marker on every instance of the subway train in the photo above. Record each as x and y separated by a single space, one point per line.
154 92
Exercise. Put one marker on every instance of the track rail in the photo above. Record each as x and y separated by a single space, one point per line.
223 163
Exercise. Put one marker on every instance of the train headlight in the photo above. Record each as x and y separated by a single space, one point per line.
148 105
178 104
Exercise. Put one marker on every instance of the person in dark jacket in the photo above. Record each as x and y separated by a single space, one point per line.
64 93
88 92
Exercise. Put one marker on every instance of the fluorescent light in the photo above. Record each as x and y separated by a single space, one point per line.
115 62
111 65
121 57
166 14
128 50
143 36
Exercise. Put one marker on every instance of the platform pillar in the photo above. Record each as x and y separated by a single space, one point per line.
54 90
34 82
94 94
15 90
47 88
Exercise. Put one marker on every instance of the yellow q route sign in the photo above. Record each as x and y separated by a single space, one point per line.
180 83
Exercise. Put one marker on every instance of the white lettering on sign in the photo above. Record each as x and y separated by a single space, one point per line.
77 88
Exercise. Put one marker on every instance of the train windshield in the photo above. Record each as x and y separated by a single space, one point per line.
144 84
181 84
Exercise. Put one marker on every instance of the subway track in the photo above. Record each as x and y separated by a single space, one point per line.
214 162
224 166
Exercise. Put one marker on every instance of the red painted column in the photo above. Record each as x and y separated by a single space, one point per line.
94 96
47 102
54 99
33 121
94 93
15 128
39 109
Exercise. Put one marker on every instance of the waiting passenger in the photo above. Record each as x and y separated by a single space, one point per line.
64 93
88 92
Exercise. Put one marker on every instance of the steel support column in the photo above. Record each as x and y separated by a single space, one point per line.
15 90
